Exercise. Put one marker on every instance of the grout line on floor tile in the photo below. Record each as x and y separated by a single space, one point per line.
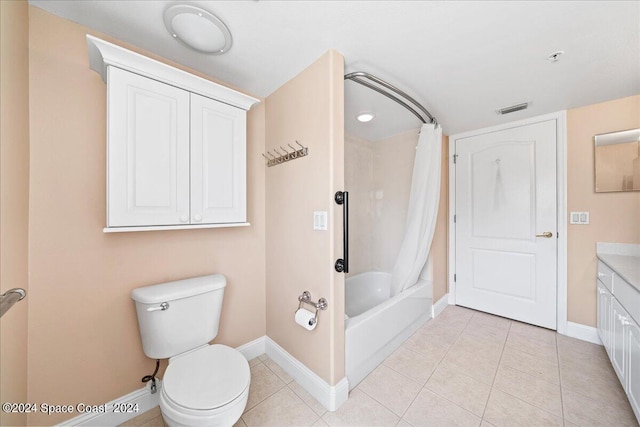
425 384
531 404
432 372
383 405
419 354
560 380
303 401
484 411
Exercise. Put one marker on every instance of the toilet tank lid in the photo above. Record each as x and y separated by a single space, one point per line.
178 289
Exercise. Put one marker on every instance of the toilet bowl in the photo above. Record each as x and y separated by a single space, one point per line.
204 385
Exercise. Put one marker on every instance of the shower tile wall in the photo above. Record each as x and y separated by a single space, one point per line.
378 178
358 178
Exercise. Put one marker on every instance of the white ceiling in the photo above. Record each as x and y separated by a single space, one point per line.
461 60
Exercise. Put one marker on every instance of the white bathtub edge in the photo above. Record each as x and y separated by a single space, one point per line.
331 397
365 368
440 305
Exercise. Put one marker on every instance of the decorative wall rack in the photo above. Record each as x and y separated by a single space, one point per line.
273 160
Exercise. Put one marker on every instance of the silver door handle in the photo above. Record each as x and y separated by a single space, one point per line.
546 234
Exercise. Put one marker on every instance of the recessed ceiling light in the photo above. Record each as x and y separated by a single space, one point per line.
365 117
555 56
197 29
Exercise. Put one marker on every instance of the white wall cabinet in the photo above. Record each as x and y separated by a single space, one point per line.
619 330
147 151
176 145
218 159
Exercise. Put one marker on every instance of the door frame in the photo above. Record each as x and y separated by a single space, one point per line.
561 194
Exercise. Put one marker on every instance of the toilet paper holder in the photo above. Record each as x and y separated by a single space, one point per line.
305 298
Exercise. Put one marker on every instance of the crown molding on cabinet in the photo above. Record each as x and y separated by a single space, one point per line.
103 54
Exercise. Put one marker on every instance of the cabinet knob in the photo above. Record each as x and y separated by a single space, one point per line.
184 218
601 274
197 218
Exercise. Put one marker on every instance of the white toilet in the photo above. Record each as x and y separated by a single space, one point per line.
204 385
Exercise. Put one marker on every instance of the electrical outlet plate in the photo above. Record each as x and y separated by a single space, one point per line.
320 220
579 218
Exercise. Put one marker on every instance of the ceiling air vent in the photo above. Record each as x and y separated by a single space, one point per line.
513 108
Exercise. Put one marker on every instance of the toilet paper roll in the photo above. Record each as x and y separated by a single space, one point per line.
306 319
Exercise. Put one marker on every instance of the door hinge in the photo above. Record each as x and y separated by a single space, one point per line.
455 158
454 218
454 277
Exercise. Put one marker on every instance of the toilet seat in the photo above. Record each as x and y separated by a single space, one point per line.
206 379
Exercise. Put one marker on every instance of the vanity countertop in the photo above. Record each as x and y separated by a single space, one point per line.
624 259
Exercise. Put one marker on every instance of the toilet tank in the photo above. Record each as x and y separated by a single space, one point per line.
190 319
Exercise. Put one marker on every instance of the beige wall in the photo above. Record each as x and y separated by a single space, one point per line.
615 217
84 344
308 108
14 200
378 177
440 246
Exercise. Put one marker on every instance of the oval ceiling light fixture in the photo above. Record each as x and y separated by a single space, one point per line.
197 29
365 116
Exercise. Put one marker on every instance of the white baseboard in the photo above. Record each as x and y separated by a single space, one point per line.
582 332
440 305
331 397
253 349
143 398
452 298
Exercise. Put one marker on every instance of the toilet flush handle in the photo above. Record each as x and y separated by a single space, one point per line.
164 306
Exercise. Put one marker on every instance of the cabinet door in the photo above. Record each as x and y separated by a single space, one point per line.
148 152
620 319
218 162
604 316
633 367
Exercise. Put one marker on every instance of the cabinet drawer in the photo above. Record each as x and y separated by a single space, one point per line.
605 274
628 297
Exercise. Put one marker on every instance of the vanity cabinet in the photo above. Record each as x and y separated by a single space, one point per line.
176 145
604 316
618 355
633 373
619 330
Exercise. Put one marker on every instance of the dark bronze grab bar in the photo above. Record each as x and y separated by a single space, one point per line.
342 264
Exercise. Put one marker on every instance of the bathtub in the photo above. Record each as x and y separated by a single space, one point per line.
375 324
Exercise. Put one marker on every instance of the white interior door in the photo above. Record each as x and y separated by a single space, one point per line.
506 227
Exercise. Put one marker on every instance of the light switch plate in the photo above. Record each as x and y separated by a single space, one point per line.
579 218
320 220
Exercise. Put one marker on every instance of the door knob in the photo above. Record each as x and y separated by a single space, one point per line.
184 218
546 234
198 218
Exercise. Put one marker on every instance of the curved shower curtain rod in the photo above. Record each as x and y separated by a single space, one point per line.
359 77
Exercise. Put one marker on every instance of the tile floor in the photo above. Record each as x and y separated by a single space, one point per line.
464 368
